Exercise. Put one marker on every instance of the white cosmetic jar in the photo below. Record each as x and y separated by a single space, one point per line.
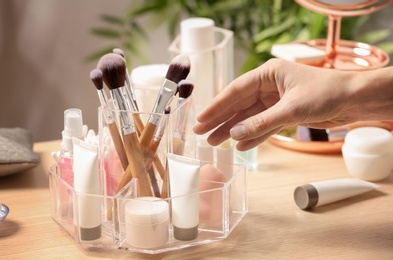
368 153
147 222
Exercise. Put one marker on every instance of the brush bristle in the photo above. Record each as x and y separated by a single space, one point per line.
167 110
118 51
113 69
178 69
185 88
96 77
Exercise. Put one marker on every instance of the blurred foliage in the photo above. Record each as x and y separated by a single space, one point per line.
257 25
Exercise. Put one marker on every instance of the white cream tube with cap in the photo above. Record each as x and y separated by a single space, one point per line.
87 188
320 193
184 188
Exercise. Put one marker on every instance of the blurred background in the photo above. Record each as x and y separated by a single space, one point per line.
49 47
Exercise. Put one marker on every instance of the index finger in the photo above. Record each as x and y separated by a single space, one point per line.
240 94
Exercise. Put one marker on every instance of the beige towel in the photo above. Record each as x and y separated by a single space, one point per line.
16 152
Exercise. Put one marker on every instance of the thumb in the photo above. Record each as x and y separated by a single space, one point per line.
261 124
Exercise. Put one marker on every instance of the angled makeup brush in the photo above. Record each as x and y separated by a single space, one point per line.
178 70
185 90
113 69
96 77
131 95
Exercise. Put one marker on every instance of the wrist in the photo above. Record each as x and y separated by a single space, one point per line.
370 95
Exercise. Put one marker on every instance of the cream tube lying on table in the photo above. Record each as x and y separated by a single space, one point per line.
87 188
323 192
184 188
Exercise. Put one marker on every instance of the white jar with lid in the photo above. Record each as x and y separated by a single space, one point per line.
368 153
147 222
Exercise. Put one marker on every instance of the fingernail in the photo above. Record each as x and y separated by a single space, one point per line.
238 132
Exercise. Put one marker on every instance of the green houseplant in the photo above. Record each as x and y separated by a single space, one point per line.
257 25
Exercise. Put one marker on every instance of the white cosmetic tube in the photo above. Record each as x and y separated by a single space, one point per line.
88 190
184 188
320 193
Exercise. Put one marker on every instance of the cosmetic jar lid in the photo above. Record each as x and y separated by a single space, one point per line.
306 196
146 211
149 75
370 140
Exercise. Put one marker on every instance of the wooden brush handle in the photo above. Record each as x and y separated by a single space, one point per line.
127 177
117 141
159 167
135 159
165 186
151 153
138 123
147 136
178 146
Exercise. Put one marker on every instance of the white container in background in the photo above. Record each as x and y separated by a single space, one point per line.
148 77
210 50
368 153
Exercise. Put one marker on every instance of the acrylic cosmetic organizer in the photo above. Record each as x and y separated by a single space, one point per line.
221 207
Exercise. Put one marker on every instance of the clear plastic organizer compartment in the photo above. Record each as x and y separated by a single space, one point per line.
138 215
222 205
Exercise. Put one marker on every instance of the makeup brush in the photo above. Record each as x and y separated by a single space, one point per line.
185 90
178 70
96 77
130 90
157 138
130 94
114 72
152 154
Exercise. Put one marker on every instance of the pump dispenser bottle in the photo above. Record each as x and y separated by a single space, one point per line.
73 127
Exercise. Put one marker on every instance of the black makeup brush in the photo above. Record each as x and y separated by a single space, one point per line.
96 77
178 70
185 90
113 69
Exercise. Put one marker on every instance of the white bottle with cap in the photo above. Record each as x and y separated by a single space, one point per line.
197 41
73 127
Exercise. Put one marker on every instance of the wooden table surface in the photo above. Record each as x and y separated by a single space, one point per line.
274 228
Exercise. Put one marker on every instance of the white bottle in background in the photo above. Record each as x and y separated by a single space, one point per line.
198 41
147 81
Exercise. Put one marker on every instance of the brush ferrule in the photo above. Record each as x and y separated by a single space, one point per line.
181 122
121 105
128 129
128 95
167 90
105 109
161 128
130 90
